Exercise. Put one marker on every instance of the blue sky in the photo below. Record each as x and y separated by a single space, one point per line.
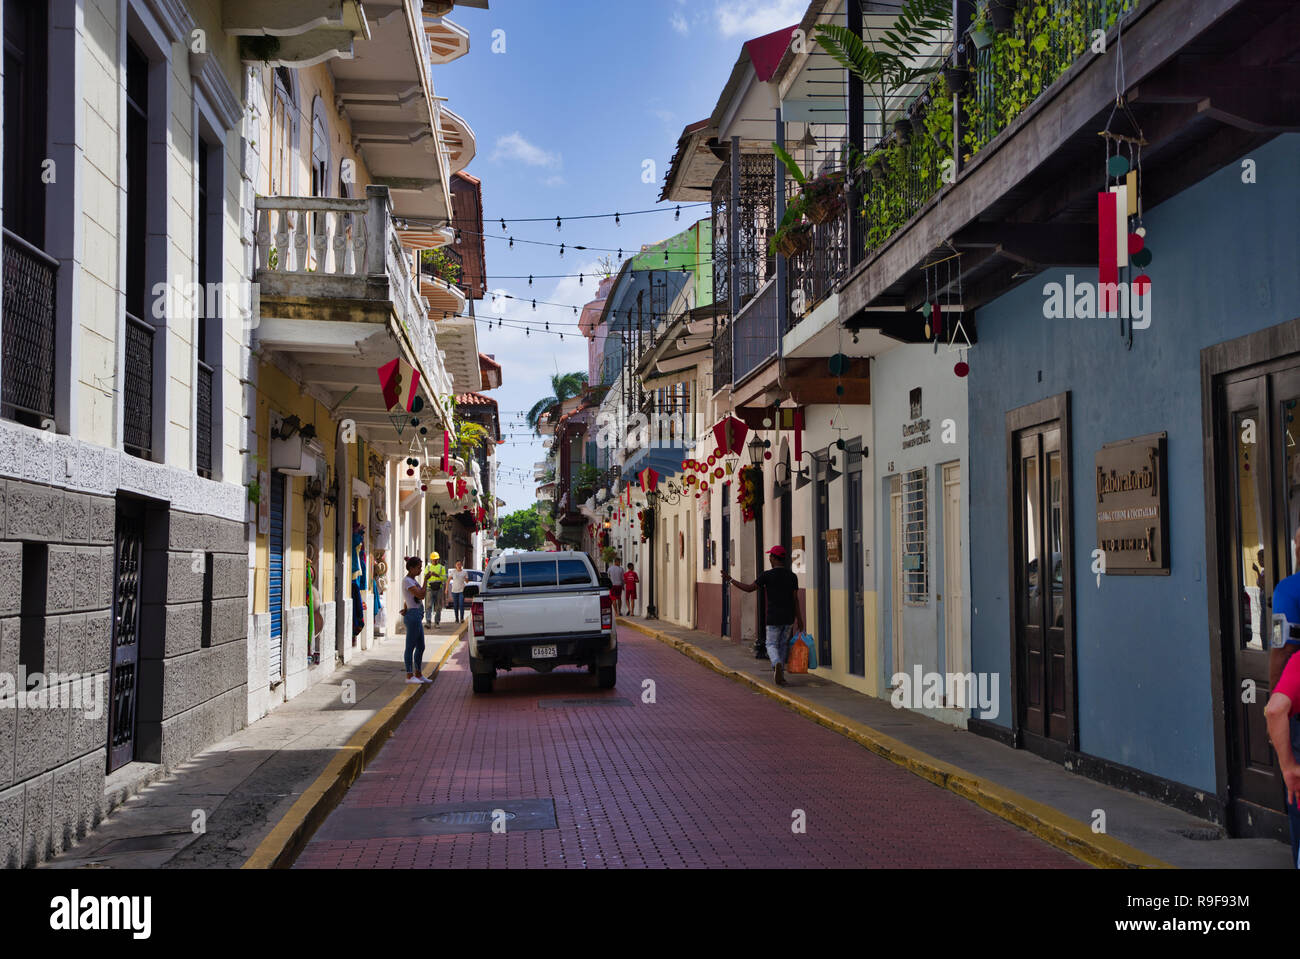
565 118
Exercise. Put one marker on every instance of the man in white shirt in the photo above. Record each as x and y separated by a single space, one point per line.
456 579
615 573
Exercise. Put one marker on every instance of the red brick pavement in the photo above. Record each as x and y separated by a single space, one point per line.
709 775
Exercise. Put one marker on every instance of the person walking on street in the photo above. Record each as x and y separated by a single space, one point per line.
456 583
615 574
1282 711
413 593
630 579
436 576
781 596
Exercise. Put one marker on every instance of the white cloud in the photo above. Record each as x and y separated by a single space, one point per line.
555 180
513 146
678 23
749 20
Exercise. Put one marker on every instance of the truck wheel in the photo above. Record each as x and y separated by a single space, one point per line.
483 682
605 676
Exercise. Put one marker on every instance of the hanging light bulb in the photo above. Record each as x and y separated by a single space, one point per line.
617 222
665 255
534 304
527 332
676 216
512 243
620 253
457 234
561 249
503 224
579 279
530 279
557 223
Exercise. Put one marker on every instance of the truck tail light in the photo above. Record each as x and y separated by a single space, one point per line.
606 611
476 616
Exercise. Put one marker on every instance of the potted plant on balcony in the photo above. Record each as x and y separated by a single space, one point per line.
821 198
1002 14
954 74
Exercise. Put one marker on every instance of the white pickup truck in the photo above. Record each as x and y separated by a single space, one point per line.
542 610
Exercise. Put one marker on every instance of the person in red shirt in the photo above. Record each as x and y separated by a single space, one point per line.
630 579
1280 713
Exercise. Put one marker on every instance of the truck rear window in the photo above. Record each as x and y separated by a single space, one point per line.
537 574
504 577
574 572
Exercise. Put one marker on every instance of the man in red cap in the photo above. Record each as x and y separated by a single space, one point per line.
780 593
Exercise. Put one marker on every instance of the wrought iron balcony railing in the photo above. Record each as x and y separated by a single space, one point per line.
137 389
755 332
28 332
813 274
722 358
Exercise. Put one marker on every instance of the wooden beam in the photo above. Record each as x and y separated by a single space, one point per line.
810 390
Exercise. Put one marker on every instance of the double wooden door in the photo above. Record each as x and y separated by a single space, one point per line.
1259 504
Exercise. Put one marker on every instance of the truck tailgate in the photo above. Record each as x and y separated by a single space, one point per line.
523 615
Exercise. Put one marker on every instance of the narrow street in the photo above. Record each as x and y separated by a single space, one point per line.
710 774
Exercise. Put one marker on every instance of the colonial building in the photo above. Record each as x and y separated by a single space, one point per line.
126 314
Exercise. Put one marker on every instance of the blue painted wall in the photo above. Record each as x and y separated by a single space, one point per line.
1225 262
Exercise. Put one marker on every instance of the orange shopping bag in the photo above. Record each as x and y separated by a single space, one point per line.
797 658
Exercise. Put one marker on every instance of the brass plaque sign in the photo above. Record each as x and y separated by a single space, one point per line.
834 546
1132 495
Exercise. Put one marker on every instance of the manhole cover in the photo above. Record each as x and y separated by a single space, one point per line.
444 819
594 701
473 817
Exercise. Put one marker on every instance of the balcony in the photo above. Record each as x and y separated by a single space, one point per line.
338 293
28 333
297 34
1031 105
814 274
722 359
756 332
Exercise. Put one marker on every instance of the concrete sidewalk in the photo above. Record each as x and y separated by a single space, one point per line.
247 783
1047 799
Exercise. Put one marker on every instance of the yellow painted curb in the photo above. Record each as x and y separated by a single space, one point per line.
286 839
1048 824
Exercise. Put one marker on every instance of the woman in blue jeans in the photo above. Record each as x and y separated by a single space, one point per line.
413 593
456 583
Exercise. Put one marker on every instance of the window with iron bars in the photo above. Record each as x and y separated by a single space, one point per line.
916 577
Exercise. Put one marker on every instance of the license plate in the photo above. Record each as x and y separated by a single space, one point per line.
545 652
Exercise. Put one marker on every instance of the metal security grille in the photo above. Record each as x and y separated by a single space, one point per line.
722 358
916 577
203 421
721 211
126 633
275 576
28 366
137 420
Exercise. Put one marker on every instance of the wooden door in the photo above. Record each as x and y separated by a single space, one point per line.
822 577
953 596
1260 489
1042 561
854 570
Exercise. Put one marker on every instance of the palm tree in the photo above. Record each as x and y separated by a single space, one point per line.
564 386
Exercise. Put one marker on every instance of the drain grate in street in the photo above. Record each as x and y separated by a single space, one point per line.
445 819
593 701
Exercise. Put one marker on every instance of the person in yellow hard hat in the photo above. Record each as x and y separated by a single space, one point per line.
437 580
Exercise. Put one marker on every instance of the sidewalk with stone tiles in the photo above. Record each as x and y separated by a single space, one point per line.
246 783
1175 837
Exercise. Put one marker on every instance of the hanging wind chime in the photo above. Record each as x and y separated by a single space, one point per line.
1117 205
